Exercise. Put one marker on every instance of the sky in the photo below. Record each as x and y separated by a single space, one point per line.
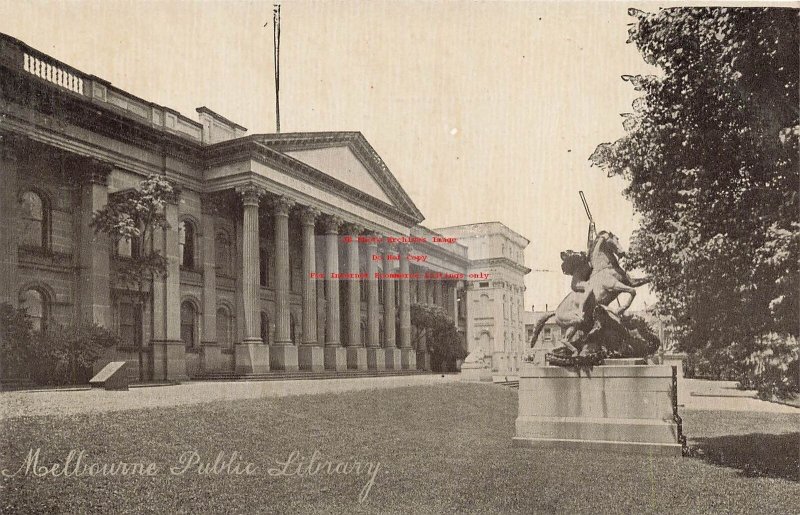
484 111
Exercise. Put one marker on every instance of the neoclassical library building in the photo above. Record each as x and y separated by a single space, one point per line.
295 251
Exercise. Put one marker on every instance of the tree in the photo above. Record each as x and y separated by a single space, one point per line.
135 215
441 336
711 156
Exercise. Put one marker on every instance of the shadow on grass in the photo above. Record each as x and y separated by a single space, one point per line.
754 455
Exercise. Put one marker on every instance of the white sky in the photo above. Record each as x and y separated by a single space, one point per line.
484 111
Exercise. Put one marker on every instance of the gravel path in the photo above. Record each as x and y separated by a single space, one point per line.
697 394
69 402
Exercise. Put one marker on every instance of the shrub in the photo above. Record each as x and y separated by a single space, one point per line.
774 368
15 340
65 354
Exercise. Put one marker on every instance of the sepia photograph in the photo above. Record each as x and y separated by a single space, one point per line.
399 256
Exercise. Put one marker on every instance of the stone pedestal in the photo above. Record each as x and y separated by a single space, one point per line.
335 358
169 360
475 372
622 408
283 357
408 359
357 358
392 359
311 357
252 357
376 359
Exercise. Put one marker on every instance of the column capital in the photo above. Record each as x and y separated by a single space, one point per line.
352 228
281 205
308 215
250 194
331 223
385 247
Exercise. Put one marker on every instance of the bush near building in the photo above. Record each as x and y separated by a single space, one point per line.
58 355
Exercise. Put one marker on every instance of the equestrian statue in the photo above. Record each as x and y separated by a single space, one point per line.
591 331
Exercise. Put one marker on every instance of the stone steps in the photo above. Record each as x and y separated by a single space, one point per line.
302 374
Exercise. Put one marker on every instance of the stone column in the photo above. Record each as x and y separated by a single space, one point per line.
212 353
10 151
94 288
335 355
392 354
310 354
95 300
425 297
408 358
438 297
319 284
252 355
169 352
283 354
376 357
356 353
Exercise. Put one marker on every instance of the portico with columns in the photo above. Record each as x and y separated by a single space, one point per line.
285 252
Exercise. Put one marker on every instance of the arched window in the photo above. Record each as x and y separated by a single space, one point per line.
223 253
264 327
186 243
35 304
189 324
34 219
224 326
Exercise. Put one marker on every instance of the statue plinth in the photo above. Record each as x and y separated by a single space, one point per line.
618 406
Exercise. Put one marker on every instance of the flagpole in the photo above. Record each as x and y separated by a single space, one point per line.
276 23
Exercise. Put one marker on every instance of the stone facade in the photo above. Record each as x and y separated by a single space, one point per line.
260 227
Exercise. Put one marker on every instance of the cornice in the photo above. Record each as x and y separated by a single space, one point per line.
502 261
249 148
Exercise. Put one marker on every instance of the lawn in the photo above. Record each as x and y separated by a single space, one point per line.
444 448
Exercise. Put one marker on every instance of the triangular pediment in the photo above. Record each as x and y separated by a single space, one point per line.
342 164
348 159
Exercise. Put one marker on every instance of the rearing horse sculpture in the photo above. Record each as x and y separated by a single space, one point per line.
596 281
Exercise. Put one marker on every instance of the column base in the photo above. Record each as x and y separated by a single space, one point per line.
335 358
169 360
311 357
408 359
251 358
283 357
423 360
376 359
356 358
392 358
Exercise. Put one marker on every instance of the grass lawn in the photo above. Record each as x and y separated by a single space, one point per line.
444 448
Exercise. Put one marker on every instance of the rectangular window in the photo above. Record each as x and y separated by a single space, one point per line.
548 334
483 285
130 325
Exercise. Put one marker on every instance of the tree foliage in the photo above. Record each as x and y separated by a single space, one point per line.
711 156
15 340
136 215
441 336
